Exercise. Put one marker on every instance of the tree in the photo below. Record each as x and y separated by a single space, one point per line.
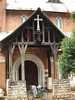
67 57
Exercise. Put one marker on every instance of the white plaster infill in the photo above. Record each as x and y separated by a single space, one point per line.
39 64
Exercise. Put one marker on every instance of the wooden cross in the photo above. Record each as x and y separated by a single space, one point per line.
38 19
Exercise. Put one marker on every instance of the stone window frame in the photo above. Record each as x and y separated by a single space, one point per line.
59 22
24 18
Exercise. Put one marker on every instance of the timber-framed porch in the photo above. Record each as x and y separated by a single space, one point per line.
37 32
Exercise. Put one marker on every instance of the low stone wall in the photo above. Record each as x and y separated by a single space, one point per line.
17 89
61 86
61 90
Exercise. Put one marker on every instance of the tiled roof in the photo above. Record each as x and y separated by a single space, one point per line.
34 4
70 4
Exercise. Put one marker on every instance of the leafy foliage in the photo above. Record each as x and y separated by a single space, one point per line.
67 58
73 16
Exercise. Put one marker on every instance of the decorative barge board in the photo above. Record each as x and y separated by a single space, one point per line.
31 50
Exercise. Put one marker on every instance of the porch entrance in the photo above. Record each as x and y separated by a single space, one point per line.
31 73
34 71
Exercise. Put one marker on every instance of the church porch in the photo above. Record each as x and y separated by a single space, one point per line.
34 43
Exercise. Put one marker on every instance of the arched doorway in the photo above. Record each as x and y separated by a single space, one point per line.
31 73
39 65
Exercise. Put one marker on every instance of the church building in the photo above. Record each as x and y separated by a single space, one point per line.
30 38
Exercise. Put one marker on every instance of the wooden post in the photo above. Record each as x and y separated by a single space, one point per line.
49 80
22 49
10 64
7 63
43 33
33 32
54 50
28 38
22 68
55 58
48 36
11 49
49 64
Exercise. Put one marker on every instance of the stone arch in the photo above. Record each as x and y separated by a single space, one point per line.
37 61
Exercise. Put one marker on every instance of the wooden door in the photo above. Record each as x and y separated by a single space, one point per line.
31 73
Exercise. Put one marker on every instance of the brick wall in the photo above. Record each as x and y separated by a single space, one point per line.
2 71
11 16
39 52
2 75
2 15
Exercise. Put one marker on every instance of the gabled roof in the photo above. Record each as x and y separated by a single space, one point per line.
4 35
11 37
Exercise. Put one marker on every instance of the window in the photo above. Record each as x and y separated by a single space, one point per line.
58 22
24 18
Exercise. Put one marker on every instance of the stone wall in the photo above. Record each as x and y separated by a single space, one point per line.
16 88
61 86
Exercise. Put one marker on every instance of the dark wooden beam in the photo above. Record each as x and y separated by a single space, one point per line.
49 63
7 63
33 43
54 49
43 32
48 36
